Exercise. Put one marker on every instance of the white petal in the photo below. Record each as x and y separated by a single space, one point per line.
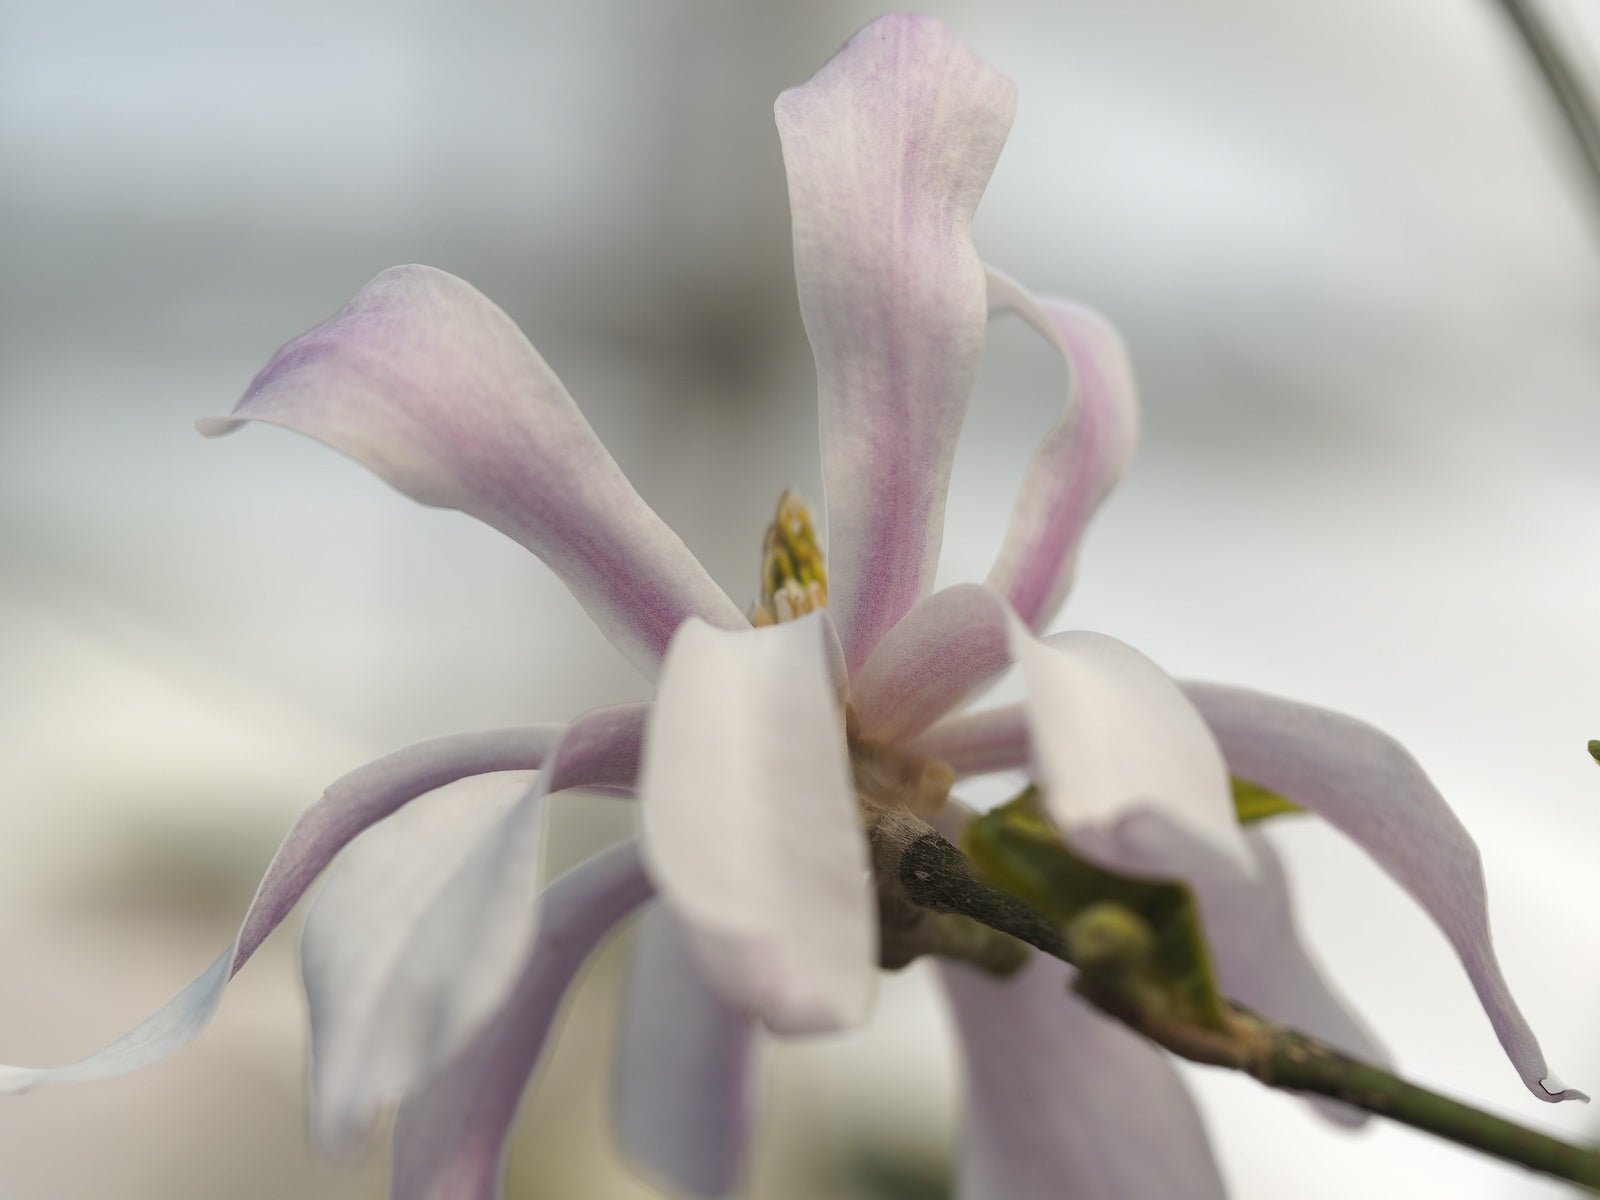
751 828
423 380
1114 738
1063 1102
1079 460
1366 784
686 1067
417 934
350 805
888 149
950 646
450 1138
414 901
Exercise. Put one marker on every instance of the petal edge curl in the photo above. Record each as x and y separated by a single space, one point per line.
427 383
1367 785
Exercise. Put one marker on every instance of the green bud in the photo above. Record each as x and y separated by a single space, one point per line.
1108 939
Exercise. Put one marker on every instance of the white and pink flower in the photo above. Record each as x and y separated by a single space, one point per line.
435 956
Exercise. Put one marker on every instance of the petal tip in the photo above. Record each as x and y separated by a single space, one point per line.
1554 1091
212 427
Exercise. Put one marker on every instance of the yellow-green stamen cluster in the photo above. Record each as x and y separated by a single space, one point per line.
794 576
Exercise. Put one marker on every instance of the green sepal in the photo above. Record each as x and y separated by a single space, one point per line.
1017 850
1252 802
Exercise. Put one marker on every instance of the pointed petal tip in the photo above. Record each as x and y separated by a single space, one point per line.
216 426
1126 766
1554 1091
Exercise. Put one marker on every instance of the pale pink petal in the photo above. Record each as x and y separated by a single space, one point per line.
686 1067
350 805
888 149
950 646
751 827
1363 782
1078 461
426 382
1062 1102
449 1141
1113 738
978 743
417 933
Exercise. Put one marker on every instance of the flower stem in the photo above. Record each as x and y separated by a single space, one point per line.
1285 1058
937 876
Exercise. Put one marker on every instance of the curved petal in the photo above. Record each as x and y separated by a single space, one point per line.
1079 460
1113 738
427 383
1367 785
888 149
978 743
350 805
951 645
450 1137
416 935
686 1067
751 828
1064 1102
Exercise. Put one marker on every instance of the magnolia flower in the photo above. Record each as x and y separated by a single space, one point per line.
434 958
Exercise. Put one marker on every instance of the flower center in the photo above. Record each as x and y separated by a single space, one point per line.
794 575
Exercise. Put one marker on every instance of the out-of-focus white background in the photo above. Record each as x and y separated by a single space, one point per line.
1361 283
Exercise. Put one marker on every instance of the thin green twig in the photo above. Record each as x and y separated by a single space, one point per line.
933 874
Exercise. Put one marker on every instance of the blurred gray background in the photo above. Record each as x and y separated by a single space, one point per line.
1360 278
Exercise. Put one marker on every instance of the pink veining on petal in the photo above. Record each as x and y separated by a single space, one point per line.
1079 460
431 386
888 150
949 647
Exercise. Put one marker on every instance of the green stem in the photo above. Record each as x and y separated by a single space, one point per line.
935 875
1285 1058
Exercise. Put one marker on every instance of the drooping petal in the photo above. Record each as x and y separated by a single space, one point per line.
1079 460
408 902
423 380
888 149
686 1067
449 1141
979 743
751 828
1366 784
418 931
951 645
1064 1102
351 804
1113 738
